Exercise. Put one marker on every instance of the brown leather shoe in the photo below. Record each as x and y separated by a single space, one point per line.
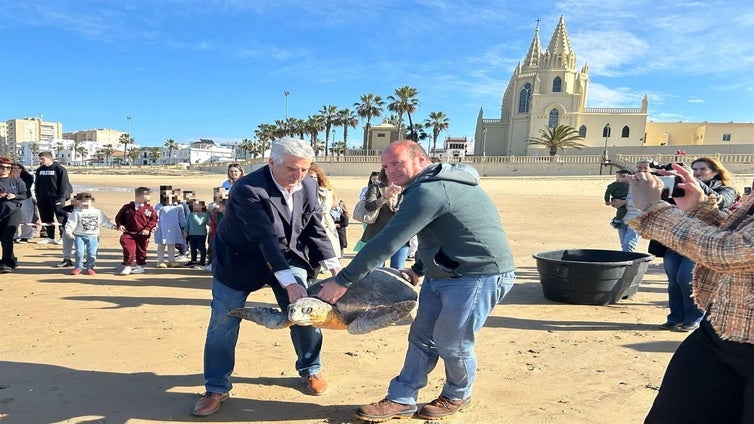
316 384
209 403
384 410
442 407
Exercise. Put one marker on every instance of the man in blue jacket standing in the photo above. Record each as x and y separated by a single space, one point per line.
271 234
467 267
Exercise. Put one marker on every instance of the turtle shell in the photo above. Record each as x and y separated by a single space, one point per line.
382 287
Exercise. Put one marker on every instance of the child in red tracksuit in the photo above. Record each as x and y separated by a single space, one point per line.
137 220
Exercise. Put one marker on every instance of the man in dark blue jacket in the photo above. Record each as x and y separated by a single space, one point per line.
52 188
271 234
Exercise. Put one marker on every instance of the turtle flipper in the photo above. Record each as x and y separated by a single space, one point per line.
381 316
268 317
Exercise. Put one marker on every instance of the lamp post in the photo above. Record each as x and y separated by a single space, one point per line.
286 93
484 142
125 146
605 158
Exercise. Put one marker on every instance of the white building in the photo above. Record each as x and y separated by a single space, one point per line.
202 151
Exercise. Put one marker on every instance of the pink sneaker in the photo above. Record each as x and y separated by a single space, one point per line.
76 271
90 272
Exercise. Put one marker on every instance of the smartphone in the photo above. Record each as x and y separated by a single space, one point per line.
670 188
747 190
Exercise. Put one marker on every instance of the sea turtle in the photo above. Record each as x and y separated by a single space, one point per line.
382 298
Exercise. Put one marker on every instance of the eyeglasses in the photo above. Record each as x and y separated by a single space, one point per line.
5 167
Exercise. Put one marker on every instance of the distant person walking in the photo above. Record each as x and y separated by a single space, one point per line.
52 189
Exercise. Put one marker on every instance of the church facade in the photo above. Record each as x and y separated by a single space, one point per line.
546 90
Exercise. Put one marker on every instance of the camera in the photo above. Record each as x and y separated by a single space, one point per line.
664 167
669 186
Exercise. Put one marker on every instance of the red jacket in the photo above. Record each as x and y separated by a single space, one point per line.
136 220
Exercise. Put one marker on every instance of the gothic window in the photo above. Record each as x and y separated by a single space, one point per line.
553 119
582 131
556 83
523 100
624 132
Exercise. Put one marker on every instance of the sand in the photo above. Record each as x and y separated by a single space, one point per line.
129 349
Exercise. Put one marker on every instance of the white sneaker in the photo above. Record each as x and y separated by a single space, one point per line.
46 241
208 267
58 241
126 270
138 270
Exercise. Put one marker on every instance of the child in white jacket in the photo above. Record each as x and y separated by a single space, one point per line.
83 227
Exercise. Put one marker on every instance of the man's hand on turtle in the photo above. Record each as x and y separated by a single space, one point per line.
295 292
331 291
412 277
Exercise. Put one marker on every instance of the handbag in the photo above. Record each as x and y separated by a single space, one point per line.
361 214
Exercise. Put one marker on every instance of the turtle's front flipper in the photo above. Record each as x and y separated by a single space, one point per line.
268 317
381 317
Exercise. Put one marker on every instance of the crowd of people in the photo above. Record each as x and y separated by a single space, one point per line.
289 216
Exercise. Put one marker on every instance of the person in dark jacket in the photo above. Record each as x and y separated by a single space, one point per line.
28 205
12 193
52 188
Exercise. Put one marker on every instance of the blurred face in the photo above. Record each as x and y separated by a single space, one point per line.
290 172
5 169
622 177
399 166
141 198
234 173
703 171
642 167
85 203
16 171
45 161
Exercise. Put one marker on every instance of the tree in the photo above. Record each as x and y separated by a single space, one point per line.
560 137
338 148
82 151
125 139
314 124
247 146
347 118
74 150
155 153
439 122
171 145
265 133
107 150
329 115
404 101
133 155
416 132
370 106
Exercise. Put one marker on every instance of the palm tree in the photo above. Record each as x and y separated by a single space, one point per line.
559 137
338 148
133 155
329 114
125 139
108 151
314 124
370 106
171 145
82 151
439 122
265 133
347 118
246 146
404 101
416 132
74 149
155 153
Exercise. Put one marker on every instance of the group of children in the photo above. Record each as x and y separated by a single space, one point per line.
176 221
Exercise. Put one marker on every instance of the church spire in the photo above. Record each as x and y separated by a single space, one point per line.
559 54
535 50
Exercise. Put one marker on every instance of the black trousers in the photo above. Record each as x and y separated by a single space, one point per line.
49 210
8 228
708 381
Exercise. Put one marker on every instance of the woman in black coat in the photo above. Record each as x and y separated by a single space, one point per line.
12 193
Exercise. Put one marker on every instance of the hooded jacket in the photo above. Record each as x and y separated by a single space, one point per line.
51 183
458 226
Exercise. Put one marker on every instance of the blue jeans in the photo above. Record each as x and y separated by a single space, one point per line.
85 246
222 335
451 312
629 239
678 268
398 260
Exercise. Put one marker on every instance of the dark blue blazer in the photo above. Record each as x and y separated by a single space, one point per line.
256 237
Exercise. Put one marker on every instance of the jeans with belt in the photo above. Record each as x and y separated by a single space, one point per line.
451 312
222 334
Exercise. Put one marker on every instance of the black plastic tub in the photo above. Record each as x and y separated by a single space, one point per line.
590 276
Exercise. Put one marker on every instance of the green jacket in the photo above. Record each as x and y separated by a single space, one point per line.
458 226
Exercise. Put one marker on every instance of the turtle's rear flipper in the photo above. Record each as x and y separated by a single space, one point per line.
381 317
268 317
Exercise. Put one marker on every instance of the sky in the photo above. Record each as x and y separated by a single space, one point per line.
190 69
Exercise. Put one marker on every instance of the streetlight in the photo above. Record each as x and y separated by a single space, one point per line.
605 158
125 145
286 93
484 142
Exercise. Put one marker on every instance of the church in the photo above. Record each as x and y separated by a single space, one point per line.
547 90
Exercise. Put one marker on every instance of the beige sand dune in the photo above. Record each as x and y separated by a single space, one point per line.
115 349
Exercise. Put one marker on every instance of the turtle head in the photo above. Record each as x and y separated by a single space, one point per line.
308 311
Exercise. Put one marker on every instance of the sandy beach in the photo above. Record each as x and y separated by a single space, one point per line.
129 349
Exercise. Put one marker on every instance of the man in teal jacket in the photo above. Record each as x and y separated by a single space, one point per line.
467 267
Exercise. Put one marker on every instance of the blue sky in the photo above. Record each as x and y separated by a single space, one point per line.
189 69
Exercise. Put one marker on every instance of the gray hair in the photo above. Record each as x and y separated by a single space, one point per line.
283 147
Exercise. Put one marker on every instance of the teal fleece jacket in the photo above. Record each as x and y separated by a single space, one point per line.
459 229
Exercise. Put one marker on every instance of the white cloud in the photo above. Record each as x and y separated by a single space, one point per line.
696 100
